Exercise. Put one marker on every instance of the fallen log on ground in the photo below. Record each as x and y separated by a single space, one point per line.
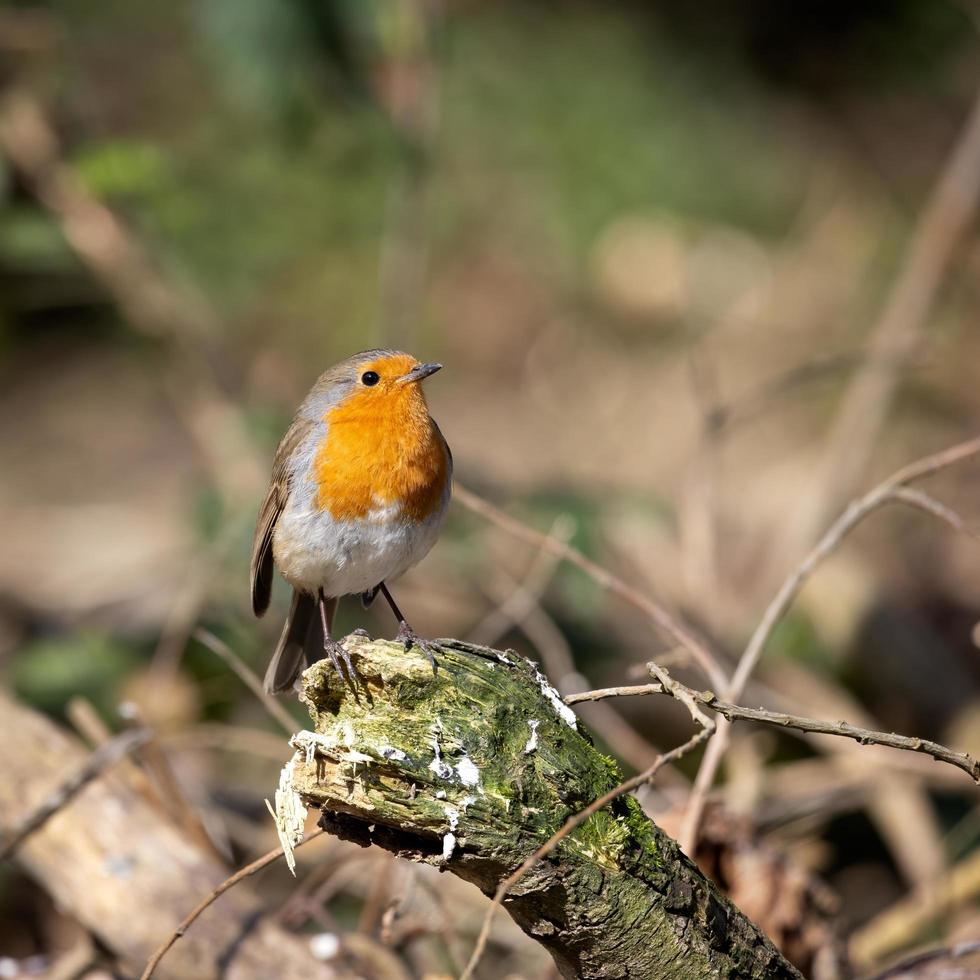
116 864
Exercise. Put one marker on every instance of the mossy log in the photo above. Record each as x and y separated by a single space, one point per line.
474 767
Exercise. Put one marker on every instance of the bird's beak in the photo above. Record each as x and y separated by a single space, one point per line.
419 372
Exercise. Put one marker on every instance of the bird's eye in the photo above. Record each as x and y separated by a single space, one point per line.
370 378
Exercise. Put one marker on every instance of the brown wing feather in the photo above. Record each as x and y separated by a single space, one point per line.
449 452
260 572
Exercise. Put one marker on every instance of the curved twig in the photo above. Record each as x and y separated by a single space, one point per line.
888 491
679 632
230 882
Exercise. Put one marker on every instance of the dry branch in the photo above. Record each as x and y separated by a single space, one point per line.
780 719
472 770
240 875
669 624
891 490
146 299
940 229
934 962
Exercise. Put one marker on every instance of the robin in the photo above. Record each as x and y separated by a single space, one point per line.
360 485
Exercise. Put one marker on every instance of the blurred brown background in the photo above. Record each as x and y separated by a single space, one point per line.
695 283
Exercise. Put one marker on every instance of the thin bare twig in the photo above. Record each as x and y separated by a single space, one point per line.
566 828
662 619
89 724
780 719
191 595
885 492
930 956
698 506
600 694
522 602
230 882
604 720
209 735
95 765
926 502
523 596
896 926
271 705
686 695
888 491
146 299
941 226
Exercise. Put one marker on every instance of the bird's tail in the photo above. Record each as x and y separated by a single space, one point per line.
300 644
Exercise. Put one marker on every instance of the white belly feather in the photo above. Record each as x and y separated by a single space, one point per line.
313 550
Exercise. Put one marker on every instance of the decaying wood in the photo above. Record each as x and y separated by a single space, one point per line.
126 873
471 769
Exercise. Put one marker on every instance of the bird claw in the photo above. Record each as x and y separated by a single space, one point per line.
407 636
337 653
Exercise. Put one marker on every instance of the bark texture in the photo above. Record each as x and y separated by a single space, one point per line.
473 768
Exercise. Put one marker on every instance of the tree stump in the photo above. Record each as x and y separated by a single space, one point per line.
474 767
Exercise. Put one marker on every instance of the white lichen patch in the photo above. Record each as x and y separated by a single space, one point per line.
468 774
449 839
388 752
442 769
465 770
289 813
504 659
532 742
349 734
561 709
308 742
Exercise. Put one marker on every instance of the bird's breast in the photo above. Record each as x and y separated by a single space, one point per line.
381 466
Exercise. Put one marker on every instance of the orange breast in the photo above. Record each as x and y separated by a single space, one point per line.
381 450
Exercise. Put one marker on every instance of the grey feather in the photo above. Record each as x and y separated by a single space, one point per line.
300 644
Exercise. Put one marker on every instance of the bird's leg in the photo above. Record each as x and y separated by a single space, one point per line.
406 634
334 650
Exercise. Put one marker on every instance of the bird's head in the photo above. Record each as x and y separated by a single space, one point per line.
374 384
392 374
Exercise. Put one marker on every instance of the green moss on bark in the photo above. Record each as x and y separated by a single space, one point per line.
475 767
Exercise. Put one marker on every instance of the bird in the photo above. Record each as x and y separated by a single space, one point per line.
360 485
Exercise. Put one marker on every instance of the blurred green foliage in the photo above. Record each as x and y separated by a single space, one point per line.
30 238
48 672
122 168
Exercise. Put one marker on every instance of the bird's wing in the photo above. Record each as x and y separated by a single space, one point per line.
260 572
449 452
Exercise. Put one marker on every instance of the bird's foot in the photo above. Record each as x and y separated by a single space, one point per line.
337 653
407 636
